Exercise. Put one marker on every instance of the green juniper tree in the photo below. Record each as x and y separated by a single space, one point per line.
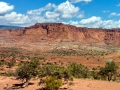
27 70
109 70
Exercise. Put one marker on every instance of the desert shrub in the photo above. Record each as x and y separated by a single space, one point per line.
67 75
1 63
71 83
94 69
95 75
24 72
52 83
55 71
109 70
19 64
27 70
64 52
10 64
10 73
102 73
22 57
78 70
51 70
42 58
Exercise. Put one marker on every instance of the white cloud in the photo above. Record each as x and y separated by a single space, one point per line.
96 22
111 24
40 10
56 13
14 18
53 15
5 8
31 17
114 14
93 19
105 11
48 13
53 12
66 10
81 15
77 1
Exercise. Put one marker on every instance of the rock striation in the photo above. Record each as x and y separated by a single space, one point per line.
47 36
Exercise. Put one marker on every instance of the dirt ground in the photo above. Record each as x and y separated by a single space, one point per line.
81 84
90 62
78 84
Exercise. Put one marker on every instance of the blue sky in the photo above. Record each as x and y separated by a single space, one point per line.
81 13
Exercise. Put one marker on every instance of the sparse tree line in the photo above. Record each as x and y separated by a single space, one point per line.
53 76
81 52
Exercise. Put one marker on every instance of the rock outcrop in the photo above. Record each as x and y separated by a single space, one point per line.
46 36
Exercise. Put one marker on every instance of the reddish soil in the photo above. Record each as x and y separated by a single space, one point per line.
89 62
78 84
94 85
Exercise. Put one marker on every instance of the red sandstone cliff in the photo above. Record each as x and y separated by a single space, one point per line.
57 35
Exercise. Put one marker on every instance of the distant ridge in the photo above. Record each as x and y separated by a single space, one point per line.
9 27
48 36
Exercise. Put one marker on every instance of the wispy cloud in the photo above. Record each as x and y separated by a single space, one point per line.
77 1
118 5
96 22
105 11
81 15
114 14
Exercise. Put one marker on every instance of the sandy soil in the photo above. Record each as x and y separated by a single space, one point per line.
94 85
11 81
78 84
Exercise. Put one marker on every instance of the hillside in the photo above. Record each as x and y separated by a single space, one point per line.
47 36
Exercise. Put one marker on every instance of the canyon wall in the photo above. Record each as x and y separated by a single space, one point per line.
47 36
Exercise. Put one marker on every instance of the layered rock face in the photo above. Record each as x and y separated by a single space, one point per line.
47 36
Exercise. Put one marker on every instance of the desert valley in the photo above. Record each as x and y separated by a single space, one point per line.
56 45
79 58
